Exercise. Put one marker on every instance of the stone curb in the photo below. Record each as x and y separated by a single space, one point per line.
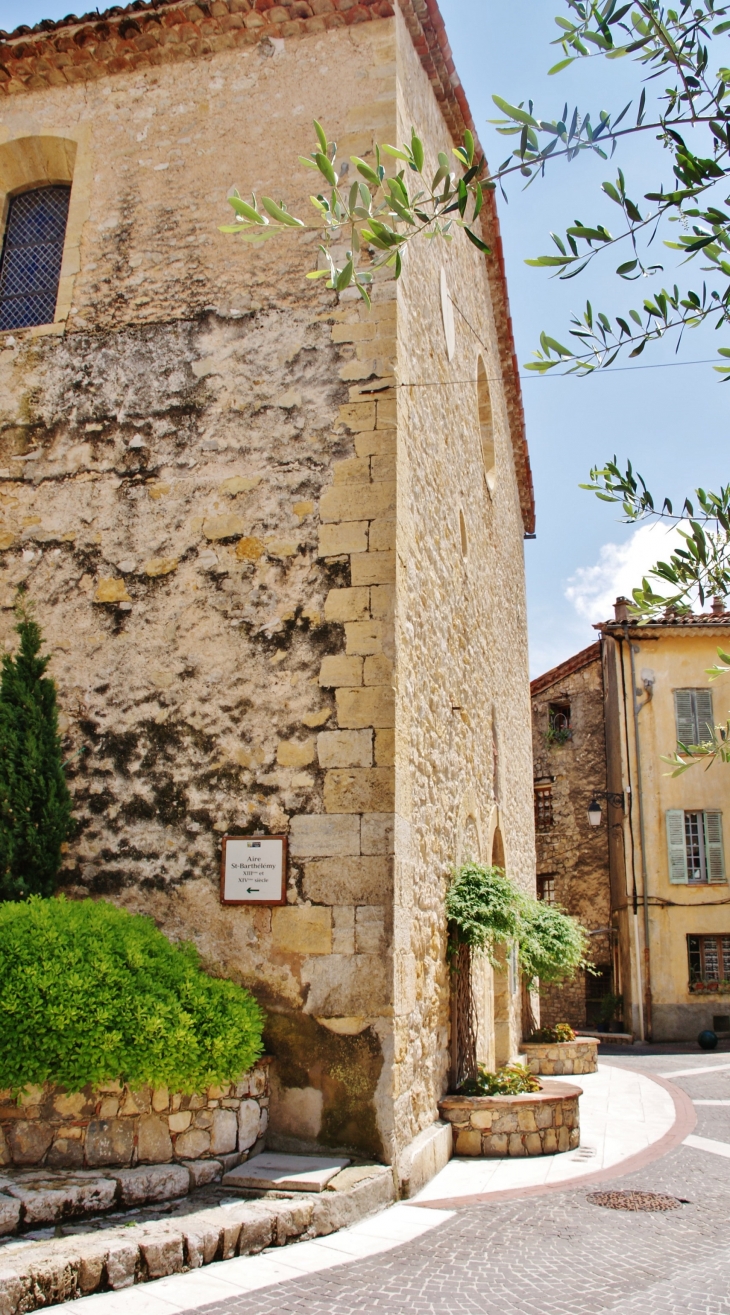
46 1273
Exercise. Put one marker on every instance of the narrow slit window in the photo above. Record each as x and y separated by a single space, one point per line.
31 259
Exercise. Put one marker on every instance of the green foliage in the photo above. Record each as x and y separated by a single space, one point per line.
683 88
512 1080
486 909
90 993
557 735
375 214
482 905
552 945
610 1005
35 804
695 572
553 1035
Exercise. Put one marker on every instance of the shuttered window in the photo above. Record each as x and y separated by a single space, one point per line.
695 847
693 714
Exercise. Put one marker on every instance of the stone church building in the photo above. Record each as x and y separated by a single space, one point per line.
274 540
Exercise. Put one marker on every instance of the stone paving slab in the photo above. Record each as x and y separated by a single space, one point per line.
285 1173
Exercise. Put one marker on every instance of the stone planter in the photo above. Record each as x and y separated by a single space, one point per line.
112 1125
536 1123
560 1058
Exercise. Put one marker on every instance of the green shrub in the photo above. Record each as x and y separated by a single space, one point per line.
35 805
512 1080
90 993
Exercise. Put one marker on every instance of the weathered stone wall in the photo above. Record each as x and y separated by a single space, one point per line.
113 1124
163 465
198 484
571 850
463 761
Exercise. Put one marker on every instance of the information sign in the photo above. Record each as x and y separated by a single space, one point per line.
253 870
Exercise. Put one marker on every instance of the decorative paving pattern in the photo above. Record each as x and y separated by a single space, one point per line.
514 1258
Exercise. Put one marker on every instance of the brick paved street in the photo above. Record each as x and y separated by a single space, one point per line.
556 1254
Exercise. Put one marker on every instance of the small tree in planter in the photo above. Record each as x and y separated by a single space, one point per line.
552 946
482 912
485 909
35 804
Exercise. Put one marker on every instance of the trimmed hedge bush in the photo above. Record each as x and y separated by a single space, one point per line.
90 993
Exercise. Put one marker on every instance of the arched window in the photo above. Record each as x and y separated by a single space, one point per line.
486 425
31 259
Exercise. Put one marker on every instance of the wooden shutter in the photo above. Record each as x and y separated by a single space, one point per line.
714 848
676 846
705 720
684 708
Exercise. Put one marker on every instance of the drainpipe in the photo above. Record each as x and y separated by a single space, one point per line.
622 615
634 648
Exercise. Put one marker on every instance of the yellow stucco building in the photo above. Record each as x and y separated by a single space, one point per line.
667 835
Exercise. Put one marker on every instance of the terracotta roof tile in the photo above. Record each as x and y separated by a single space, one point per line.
691 621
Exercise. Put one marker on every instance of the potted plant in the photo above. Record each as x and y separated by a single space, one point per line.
610 1005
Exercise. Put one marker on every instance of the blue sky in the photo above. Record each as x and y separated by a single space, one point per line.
670 420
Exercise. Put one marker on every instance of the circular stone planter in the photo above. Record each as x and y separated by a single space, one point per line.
115 1126
561 1058
535 1123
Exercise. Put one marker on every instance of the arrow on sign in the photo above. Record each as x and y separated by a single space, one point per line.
253 890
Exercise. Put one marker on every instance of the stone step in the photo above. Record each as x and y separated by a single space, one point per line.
40 1274
285 1173
40 1197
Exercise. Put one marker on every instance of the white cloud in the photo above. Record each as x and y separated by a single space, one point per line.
619 569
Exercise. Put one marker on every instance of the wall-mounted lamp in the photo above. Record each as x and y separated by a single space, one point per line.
594 808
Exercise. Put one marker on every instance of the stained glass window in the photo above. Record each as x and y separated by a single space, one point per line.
31 258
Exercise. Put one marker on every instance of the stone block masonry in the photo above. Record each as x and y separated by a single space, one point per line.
563 1058
112 1125
237 511
536 1123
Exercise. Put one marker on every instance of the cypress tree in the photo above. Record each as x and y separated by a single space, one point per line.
35 804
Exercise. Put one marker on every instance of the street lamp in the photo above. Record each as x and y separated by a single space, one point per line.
594 813
594 808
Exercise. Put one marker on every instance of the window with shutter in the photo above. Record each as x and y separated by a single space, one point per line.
694 716
684 709
695 848
714 847
676 846
705 720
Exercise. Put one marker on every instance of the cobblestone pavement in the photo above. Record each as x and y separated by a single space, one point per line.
556 1254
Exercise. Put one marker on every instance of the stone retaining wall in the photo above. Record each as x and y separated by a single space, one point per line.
536 1123
113 1125
557 1059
